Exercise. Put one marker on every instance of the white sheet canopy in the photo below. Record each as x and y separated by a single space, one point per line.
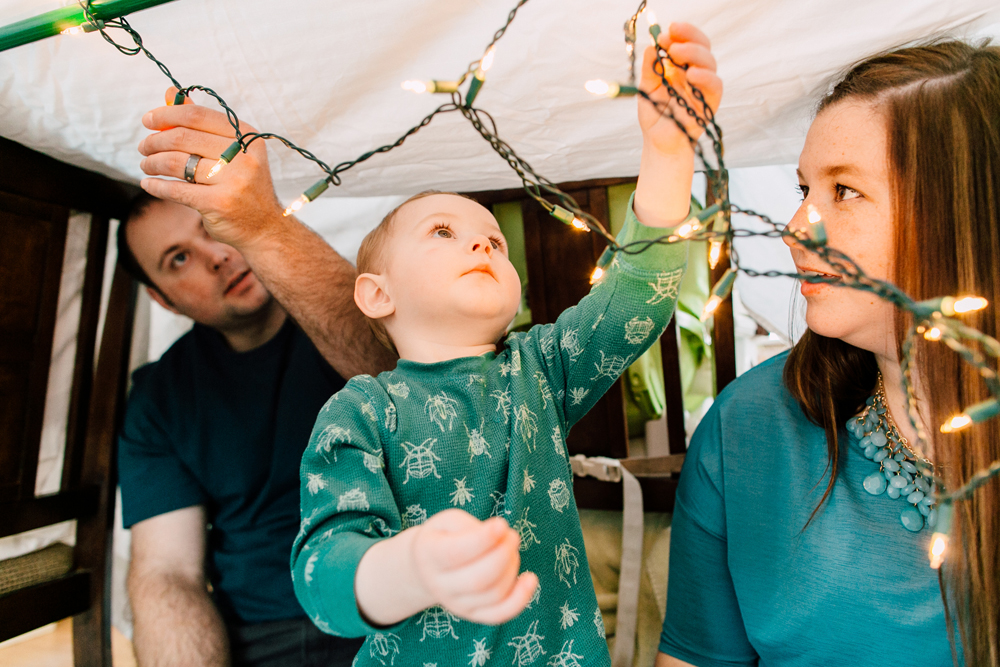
327 75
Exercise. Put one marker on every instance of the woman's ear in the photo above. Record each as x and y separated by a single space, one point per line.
371 296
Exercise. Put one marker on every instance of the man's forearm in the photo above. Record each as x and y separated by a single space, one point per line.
176 624
316 286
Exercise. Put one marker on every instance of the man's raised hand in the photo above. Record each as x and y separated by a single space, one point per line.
239 202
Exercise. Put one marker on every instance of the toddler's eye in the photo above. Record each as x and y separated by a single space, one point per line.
443 233
178 260
496 243
844 193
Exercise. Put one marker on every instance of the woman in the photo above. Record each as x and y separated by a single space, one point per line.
789 547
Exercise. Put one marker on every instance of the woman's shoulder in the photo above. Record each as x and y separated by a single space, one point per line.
763 381
755 415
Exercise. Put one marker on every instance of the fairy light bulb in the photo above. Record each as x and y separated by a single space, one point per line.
597 87
949 306
569 218
487 62
956 423
596 274
416 86
969 304
315 190
719 294
939 544
609 90
939 540
433 86
226 157
83 28
933 334
714 254
654 25
688 228
974 414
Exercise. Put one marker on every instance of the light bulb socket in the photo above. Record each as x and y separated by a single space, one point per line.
94 26
725 284
563 215
442 86
229 154
474 86
316 189
983 410
608 256
944 514
180 97
654 31
707 213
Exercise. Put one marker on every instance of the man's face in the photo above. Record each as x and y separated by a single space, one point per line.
448 274
208 281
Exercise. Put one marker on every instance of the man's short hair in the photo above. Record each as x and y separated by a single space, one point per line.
372 259
126 258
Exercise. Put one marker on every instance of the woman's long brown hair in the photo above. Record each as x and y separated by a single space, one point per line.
941 105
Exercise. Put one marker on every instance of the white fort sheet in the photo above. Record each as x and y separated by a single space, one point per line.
327 75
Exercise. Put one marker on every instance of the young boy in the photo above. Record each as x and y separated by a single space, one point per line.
437 505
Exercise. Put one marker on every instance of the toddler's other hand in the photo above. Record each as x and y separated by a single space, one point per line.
470 567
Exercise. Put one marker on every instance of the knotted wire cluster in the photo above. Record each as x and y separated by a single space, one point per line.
935 319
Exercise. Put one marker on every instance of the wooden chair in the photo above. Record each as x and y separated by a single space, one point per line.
559 263
37 195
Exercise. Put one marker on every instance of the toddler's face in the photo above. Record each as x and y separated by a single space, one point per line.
448 273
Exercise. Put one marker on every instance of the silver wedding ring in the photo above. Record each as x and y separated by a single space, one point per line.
191 167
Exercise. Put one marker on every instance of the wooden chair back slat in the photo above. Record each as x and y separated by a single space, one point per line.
86 339
31 257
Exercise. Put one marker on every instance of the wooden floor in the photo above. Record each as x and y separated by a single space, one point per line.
55 649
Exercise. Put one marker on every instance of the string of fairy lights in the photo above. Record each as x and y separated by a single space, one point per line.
934 320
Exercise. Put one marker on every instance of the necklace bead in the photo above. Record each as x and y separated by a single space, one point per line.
898 475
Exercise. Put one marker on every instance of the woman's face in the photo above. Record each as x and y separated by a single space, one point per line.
843 172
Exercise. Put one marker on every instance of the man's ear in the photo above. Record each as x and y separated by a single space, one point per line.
371 296
156 296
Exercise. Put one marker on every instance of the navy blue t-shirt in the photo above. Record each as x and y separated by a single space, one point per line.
209 426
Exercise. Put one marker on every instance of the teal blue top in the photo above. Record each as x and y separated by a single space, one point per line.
485 435
750 585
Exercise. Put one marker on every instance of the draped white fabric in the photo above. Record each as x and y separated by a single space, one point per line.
327 75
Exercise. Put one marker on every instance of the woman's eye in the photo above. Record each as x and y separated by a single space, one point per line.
802 190
443 232
179 260
844 193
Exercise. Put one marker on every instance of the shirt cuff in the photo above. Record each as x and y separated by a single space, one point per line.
340 566
658 256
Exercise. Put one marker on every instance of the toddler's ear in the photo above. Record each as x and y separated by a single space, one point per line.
371 297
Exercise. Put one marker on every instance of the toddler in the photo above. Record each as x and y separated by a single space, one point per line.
437 502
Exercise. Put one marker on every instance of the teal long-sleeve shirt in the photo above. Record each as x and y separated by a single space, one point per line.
487 435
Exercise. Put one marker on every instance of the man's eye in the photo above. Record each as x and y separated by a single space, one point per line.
844 193
178 260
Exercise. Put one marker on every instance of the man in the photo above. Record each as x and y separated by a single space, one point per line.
214 433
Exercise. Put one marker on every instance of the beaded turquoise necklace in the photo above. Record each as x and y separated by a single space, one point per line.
898 475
